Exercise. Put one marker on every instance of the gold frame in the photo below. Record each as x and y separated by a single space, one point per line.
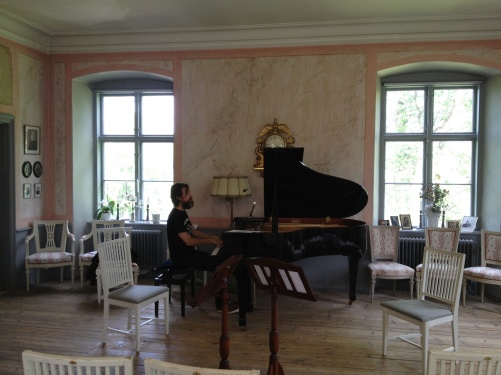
270 129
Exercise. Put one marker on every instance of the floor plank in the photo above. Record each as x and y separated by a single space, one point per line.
324 337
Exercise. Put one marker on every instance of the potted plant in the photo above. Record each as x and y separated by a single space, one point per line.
105 210
435 195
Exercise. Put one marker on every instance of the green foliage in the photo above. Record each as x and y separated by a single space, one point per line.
436 196
106 206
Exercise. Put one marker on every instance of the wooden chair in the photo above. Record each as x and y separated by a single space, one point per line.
35 363
108 234
384 254
157 367
438 304
116 271
489 271
463 363
88 252
51 240
438 238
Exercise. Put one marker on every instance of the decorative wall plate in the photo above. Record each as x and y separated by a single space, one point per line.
27 168
37 169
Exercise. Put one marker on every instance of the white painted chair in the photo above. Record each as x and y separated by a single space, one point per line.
489 271
438 304
157 367
89 242
108 234
51 240
35 363
463 363
384 255
438 238
116 271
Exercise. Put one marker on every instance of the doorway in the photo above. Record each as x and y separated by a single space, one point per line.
7 203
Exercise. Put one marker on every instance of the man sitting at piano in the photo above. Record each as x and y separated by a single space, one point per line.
183 238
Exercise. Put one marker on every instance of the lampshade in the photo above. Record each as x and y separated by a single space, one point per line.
230 187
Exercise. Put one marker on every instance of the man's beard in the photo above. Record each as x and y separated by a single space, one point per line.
188 205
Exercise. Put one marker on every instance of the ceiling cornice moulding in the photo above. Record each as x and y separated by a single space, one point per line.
260 36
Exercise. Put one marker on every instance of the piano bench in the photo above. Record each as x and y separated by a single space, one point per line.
173 276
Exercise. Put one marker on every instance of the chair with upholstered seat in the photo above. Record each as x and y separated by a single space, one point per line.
438 238
89 242
51 242
464 363
157 367
489 271
438 302
119 290
35 363
384 255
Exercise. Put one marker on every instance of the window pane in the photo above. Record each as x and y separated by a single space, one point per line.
157 115
452 162
404 162
118 161
453 110
405 111
402 199
118 115
158 163
157 196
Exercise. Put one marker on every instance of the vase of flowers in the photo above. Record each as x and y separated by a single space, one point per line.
435 196
134 203
105 209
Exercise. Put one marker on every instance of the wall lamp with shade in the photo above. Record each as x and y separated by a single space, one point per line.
230 188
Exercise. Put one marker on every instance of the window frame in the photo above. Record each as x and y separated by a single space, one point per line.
428 137
137 138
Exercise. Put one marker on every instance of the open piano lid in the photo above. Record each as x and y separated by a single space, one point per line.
304 193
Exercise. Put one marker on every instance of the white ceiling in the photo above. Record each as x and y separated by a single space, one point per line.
63 26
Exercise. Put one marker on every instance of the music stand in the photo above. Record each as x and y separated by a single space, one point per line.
219 281
278 277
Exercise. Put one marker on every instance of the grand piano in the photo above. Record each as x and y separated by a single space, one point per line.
308 213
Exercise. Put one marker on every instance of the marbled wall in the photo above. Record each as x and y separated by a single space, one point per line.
226 102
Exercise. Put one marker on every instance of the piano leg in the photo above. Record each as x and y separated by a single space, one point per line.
353 269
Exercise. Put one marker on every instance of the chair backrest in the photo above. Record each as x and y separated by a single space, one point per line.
50 235
112 233
115 263
52 364
442 276
100 224
490 247
157 367
463 363
384 242
442 238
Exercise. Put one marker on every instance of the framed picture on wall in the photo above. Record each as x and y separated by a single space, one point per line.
405 221
37 192
26 191
32 139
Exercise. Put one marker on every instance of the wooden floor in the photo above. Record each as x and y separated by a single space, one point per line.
323 337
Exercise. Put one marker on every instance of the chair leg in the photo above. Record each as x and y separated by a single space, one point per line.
424 347
157 283
418 288
482 290
72 276
373 283
411 283
455 335
27 279
81 276
137 333
166 316
385 330
465 285
182 287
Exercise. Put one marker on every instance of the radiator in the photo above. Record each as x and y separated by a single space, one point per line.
411 252
147 245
